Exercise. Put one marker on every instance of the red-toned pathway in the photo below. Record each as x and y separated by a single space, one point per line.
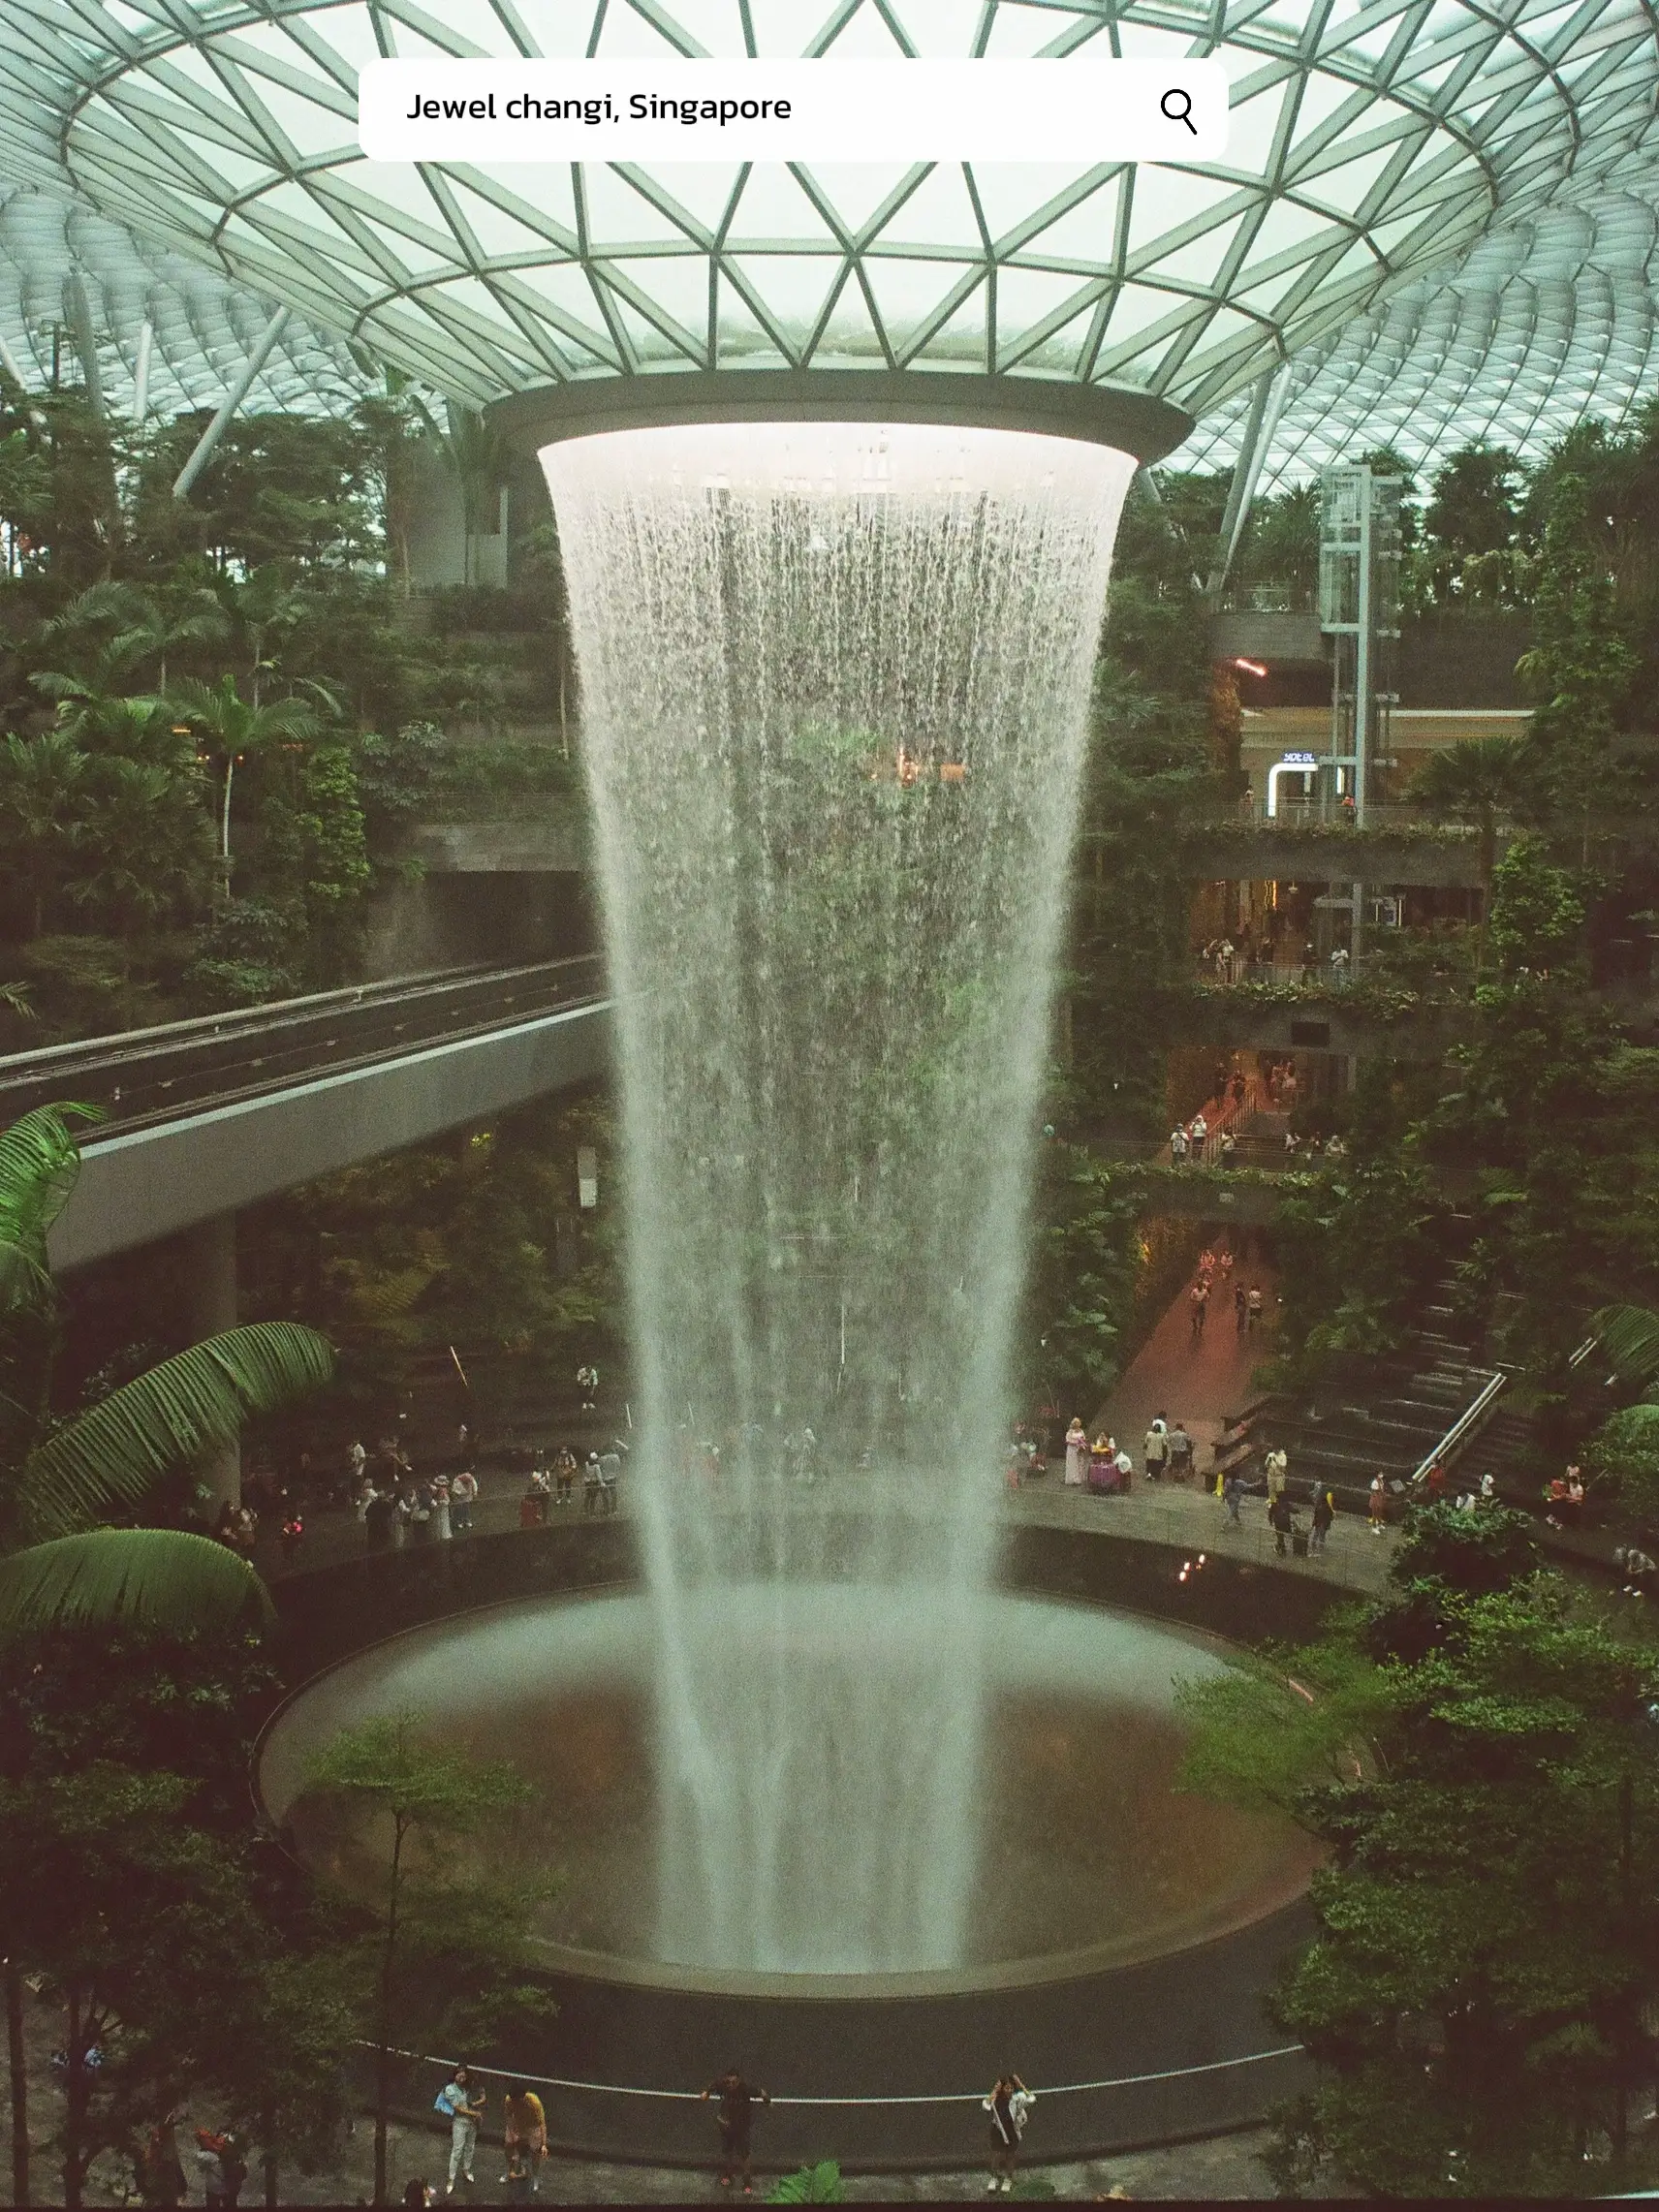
1194 1383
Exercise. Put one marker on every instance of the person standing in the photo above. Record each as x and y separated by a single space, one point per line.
161 2174
1076 1452
1324 1513
1378 1511
525 2131
463 1496
587 1383
441 1508
1009 2105
378 1508
1280 1520
1199 1304
1276 1467
1157 1449
463 2108
609 1476
737 2100
1177 1145
1254 1305
1240 1310
1197 1131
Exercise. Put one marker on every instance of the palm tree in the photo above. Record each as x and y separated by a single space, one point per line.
110 629
235 728
41 810
1483 781
58 1565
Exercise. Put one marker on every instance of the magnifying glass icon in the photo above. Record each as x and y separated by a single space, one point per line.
1176 105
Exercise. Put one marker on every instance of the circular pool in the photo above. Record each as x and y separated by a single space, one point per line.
1089 1855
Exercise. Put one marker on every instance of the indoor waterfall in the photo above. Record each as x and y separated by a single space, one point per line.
835 684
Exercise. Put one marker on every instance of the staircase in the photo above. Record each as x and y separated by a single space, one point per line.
1345 1430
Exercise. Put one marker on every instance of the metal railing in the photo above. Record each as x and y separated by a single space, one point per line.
145 1076
1463 1429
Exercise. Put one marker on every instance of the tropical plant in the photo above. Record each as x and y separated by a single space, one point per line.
1481 780
40 815
1478 1759
447 1960
60 1480
235 727
817 2183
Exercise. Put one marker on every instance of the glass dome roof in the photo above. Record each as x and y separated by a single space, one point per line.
1373 141
1547 320
203 326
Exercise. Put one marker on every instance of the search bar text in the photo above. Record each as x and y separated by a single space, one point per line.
1074 109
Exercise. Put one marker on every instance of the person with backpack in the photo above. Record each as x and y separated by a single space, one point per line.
462 2106
1009 2105
224 2169
1324 1513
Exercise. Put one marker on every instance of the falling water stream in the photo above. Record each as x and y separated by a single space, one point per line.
835 683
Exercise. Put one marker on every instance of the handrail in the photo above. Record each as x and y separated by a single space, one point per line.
1463 1428
211 1025
948 2097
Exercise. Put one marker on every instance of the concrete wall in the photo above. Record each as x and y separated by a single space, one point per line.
449 920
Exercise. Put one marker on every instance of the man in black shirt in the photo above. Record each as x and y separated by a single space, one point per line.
737 2099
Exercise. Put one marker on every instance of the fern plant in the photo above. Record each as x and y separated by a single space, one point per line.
59 1482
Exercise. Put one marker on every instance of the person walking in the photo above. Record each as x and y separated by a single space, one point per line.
1254 1305
462 2106
736 2101
1232 1497
591 1484
1180 1453
463 1496
1240 1310
1378 1511
524 2132
1009 2105
1200 1302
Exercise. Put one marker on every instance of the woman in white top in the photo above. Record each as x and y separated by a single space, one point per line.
1077 1452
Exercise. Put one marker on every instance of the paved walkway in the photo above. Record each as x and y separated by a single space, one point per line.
1196 1381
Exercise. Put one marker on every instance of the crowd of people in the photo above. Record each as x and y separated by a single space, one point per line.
463 2104
1254 954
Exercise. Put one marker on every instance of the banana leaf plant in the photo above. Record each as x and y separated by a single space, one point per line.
60 1483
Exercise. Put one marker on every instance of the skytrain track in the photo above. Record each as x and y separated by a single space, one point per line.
144 1076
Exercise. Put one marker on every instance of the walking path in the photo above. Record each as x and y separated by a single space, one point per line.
1205 1383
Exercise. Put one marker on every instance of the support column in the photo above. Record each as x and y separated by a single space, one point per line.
207 1254
207 443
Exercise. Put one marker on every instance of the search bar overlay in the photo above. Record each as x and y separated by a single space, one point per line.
1076 109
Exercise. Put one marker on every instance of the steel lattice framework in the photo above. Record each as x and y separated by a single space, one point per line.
1547 322
1371 144
70 276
